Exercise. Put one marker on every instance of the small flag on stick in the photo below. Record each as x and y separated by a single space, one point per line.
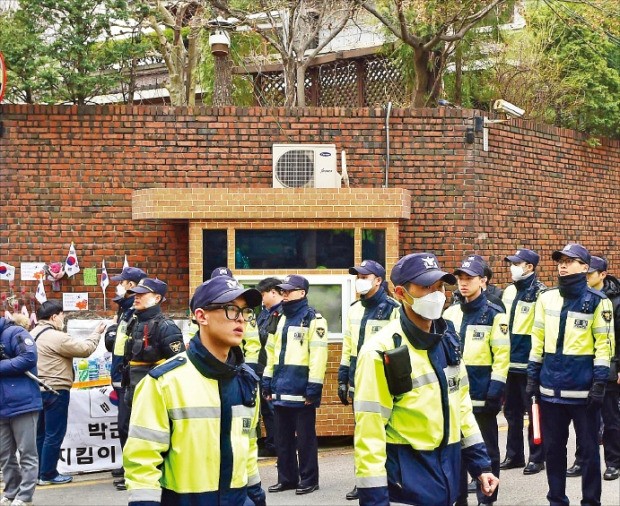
41 295
72 266
105 281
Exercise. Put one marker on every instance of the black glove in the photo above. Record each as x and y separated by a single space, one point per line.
532 389
343 393
494 404
595 397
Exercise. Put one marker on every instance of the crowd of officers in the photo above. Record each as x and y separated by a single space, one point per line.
425 381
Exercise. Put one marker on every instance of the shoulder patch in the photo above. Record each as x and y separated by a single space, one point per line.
607 316
320 331
176 346
504 328
168 366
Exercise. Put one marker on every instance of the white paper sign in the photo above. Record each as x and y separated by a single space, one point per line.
92 442
32 271
75 301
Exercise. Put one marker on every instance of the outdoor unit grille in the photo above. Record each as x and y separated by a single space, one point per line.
305 166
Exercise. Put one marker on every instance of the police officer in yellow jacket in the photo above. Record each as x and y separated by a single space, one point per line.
519 299
483 330
366 316
293 380
192 431
413 414
572 345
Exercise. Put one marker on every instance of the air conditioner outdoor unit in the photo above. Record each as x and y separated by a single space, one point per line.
305 166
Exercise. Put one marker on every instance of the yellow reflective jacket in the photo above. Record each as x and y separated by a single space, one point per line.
408 447
572 342
192 431
296 357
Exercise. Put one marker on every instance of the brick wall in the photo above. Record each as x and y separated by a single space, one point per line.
68 173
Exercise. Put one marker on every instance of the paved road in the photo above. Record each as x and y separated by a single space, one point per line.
336 467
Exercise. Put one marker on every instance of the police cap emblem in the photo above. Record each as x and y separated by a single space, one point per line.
320 331
504 328
607 315
176 346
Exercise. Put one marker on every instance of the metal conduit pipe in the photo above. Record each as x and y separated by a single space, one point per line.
387 142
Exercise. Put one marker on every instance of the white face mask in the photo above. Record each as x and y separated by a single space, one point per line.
151 301
430 306
363 286
517 272
121 290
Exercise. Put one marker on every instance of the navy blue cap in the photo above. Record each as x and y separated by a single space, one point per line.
597 264
573 251
295 282
223 289
472 266
368 267
150 285
130 274
524 255
221 271
421 269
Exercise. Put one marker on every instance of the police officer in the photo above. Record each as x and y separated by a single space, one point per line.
267 319
599 279
293 380
572 343
192 433
519 299
152 337
483 330
413 414
366 316
115 339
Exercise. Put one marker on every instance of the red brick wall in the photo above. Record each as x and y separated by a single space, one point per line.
67 174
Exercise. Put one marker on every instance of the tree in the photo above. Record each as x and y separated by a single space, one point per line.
177 27
79 67
29 70
426 26
298 30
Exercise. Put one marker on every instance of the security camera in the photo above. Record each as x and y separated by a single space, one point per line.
508 109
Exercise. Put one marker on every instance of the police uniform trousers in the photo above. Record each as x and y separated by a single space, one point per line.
515 406
122 419
296 435
610 413
555 421
487 422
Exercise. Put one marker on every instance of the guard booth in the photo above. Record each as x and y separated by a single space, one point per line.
316 232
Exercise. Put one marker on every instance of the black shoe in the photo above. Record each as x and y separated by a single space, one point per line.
574 472
533 468
281 487
120 485
509 463
118 472
353 495
471 487
611 473
306 490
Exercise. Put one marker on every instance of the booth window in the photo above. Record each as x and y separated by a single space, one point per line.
294 249
373 244
214 251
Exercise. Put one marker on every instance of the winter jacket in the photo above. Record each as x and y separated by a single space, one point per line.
19 394
56 352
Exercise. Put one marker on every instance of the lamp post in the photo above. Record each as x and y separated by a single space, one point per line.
219 41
